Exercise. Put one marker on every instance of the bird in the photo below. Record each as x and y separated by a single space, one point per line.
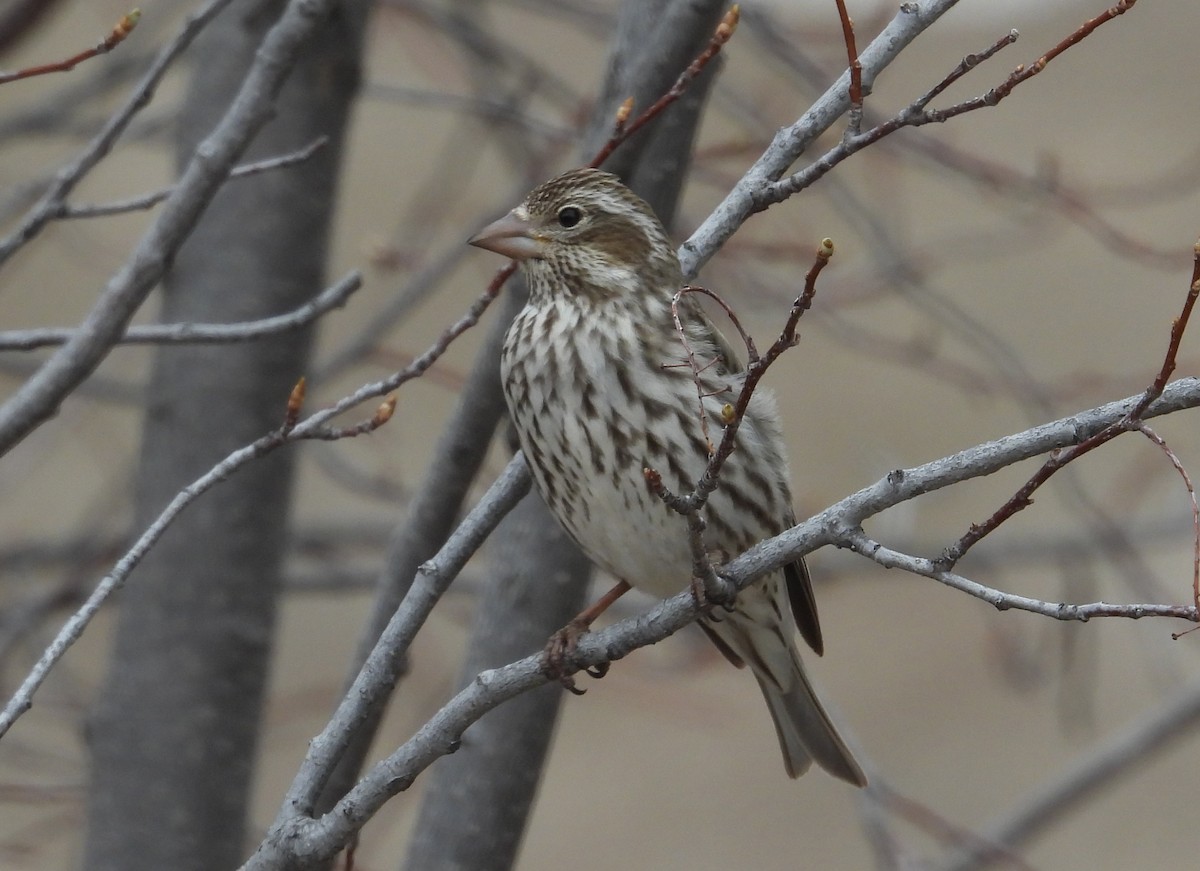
599 389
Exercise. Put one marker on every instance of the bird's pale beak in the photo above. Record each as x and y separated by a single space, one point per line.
511 236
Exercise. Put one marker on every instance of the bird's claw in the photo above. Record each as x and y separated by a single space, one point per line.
707 598
559 650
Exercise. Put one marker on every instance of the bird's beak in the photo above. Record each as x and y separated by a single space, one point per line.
511 236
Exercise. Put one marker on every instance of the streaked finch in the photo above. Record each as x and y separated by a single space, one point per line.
599 388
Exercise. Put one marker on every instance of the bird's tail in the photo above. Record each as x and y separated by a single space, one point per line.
764 643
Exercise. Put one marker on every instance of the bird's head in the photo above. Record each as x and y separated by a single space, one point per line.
584 232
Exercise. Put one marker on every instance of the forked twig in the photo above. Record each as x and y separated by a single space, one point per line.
1132 420
291 430
918 113
153 198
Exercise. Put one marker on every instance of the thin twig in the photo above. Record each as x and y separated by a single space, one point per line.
153 198
855 67
853 538
1131 420
622 131
332 297
918 114
115 37
70 175
1145 430
691 504
313 427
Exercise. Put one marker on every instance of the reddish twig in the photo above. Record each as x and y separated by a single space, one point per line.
1191 491
918 114
698 370
622 132
1132 420
757 366
691 504
1023 73
965 65
729 312
855 66
118 34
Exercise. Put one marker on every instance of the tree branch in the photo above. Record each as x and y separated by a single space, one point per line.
39 398
297 841
332 297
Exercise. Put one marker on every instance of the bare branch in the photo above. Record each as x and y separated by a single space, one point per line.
762 186
200 334
313 427
918 114
71 174
148 200
855 539
297 840
1058 460
433 578
791 141
40 397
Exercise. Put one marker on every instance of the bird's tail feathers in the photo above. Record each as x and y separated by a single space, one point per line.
805 731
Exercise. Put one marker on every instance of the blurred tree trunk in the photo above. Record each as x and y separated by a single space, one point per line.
173 736
475 811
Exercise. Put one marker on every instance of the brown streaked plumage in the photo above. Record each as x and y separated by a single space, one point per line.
593 378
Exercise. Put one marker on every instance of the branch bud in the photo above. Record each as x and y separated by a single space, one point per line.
728 25
384 413
295 403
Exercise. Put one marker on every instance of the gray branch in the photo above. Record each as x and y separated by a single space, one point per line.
297 841
791 141
332 297
153 198
69 176
38 399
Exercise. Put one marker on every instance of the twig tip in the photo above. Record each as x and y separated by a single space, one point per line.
728 24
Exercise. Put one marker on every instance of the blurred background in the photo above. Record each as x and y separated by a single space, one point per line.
1007 268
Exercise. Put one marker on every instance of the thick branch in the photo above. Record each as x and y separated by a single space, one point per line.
298 841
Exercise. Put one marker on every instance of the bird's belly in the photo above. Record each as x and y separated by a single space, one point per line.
591 418
644 543
588 467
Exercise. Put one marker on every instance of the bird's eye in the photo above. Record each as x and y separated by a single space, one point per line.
569 216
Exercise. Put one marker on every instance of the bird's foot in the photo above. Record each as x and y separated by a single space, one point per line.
711 593
559 650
